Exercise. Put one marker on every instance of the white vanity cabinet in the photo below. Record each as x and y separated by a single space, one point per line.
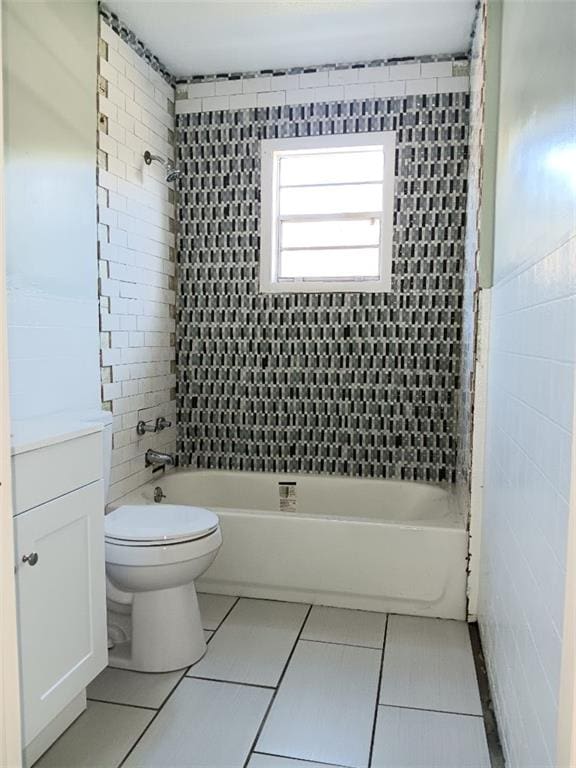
60 579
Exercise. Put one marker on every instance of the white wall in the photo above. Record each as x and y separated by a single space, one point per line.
10 726
531 377
49 61
136 257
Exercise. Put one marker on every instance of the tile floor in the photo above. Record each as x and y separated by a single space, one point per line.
285 685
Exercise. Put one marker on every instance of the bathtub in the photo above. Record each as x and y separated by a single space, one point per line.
377 545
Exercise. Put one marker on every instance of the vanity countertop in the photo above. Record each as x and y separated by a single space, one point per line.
32 434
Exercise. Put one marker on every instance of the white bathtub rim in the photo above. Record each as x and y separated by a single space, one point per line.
452 523
361 521
454 519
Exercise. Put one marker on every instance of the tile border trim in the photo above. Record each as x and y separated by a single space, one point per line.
140 48
463 58
329 84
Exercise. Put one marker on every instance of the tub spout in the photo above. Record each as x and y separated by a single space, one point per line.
159 459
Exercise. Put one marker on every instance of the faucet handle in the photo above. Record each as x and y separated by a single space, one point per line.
142 427
162 423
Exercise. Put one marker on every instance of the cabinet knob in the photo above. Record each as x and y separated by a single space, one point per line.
31 559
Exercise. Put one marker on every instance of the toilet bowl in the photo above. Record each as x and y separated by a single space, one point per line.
154 553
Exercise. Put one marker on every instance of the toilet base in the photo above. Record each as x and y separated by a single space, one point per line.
165 632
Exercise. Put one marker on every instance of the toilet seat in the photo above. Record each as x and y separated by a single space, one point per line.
147 525
144 555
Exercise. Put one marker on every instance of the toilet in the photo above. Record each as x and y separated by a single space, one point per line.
154 554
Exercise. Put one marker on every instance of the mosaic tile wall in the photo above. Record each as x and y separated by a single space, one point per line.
353 384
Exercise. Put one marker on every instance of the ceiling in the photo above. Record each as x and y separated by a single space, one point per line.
209 36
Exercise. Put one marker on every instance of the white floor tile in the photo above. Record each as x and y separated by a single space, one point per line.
412 738
340 625
102 736
324 709
206 724
121 686
253 644
428 664
271 761
213 609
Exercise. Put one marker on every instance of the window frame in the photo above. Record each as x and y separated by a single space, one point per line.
272 151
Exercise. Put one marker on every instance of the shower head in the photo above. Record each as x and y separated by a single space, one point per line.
172 172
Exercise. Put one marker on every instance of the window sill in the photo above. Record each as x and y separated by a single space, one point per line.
310 286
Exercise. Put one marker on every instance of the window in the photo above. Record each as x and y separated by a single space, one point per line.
327 213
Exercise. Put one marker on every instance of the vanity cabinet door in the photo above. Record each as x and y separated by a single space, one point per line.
61 601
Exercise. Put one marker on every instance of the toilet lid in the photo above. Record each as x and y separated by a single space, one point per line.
159 522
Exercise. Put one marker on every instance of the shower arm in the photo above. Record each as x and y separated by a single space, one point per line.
172 172
149 158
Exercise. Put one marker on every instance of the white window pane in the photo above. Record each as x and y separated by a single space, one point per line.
341 263
332 167
310 234
350 198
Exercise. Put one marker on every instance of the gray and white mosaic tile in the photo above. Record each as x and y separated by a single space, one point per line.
354 384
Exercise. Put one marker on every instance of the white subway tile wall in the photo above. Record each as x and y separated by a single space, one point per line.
525 517
532 358
136 256
326 85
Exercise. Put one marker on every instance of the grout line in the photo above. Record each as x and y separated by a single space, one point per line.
169 696
273 697
490 722
373 734
229 682
527 267
426 709
348 645
123 703
134 706
301 759
494 747
166 700
223 619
